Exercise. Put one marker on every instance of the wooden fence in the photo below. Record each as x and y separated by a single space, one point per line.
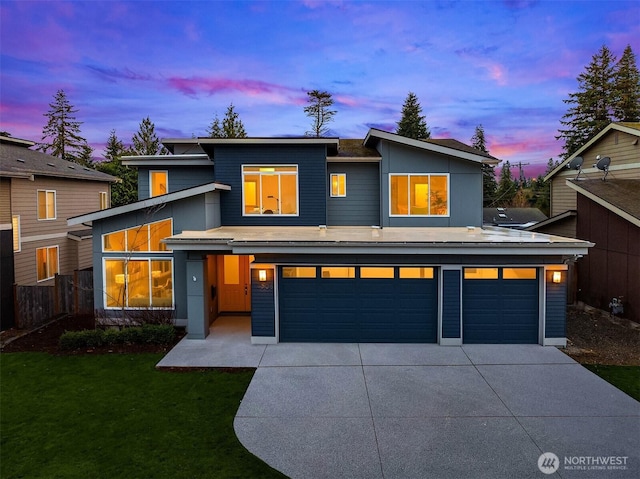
71 294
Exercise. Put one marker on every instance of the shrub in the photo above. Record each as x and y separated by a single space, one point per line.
158 334
92 338
89 338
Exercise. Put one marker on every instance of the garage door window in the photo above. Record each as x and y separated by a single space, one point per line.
416 273
338 272
519 273
299 272
372 273
481 273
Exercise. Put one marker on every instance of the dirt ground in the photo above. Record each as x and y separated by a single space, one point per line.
593 338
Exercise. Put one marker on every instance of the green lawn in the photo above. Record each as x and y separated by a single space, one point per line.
625 378
115 416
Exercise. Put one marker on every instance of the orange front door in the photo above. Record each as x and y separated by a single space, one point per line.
235 284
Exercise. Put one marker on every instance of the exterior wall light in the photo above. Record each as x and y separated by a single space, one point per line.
262 275
557 277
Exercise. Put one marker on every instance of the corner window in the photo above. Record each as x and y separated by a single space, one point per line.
104 200
270 190
15 226
418 195
47 262
338 185
138 283
145 237
158 183
46 205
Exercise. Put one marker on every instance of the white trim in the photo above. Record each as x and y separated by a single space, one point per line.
166 175
46 203
5 226
429 175
31 239
338 195
47 248
260 174
13 234
605 204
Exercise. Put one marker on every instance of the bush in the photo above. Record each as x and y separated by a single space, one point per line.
92 338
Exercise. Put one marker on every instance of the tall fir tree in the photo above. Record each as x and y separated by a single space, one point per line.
592 106
626 105
319 110
126 190
215 129
507 188
145 141
231 126
489 184
412 124
61 135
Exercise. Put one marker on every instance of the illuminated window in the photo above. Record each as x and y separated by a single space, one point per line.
145 237
373 272
419 195
299 272
158 181
338 184
104 200
481 273
138 283
15 225
46 205
519 273
270 190
338 272
416 273
47 262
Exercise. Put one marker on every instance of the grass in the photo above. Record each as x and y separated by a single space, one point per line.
625 378
115 416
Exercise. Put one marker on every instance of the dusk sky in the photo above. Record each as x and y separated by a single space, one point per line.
504 64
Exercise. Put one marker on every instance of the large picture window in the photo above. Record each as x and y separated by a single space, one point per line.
270 190
47 262
46 205
419 195
145 237
138 283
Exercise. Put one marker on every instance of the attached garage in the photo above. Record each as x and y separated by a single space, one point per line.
500 305
358 304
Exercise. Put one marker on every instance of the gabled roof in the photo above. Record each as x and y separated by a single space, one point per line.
446 146
626 127
18 161
553 219
622 197
146 203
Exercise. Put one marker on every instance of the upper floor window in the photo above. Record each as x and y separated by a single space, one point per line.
104 200
338 185
47 262
270 190
158 183
46 205
145 237
419 195
15 225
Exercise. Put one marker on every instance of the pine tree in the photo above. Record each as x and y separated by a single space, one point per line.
626 105
125 191
319 111
232 125
489 184
592 106
145 141
63 132
215 129
507 188
412 124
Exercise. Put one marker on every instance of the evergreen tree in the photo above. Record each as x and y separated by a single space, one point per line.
146 142
125 191
489 184
626 105
507 188
232 125
319 111
63 132
412 124
591 107
215 129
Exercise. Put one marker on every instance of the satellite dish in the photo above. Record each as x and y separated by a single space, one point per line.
576 164
603 165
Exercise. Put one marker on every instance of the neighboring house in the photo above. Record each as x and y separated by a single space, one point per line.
518 218
328 240
38 192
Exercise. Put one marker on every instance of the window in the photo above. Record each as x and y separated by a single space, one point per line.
481 273
338 272
338 185
270 190
139 238
299 272
519 273
419 195
46 205
15 226
158 183
47 262
416 273
104 200
138 283
373 272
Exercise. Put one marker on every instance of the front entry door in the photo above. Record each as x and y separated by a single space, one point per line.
234 281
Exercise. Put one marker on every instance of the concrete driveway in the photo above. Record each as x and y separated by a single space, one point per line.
427 411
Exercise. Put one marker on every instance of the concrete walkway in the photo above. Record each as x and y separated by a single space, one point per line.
425 411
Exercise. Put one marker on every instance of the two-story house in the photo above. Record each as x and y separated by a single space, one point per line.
329 240
38 192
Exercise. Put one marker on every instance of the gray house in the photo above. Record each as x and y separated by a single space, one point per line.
329 240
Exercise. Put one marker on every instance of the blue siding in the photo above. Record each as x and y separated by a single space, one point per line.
311 161
263 310
556 309
451 303
361 206
180 178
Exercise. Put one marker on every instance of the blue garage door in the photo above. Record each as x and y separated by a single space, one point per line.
358 304
500 305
